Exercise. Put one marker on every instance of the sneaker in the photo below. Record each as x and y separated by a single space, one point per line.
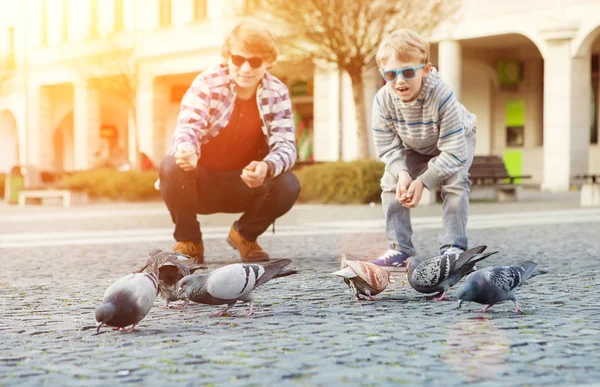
392 258
194 250
250 251
451 250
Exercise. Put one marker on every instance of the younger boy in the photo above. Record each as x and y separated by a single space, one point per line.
426 139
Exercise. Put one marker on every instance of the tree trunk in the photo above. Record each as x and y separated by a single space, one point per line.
340 114
134 141
361 119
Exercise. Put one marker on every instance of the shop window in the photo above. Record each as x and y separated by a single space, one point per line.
515 123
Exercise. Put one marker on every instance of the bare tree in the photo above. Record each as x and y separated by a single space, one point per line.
348 32
116 71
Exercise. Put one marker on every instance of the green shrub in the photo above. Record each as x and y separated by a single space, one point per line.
111 184
341 182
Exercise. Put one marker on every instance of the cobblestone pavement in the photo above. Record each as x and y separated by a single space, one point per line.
308 330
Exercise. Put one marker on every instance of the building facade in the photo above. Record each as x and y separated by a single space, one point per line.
86 83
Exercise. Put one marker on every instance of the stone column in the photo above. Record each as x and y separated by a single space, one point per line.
151 109
450 64
326 117
86 124
567 82
39 141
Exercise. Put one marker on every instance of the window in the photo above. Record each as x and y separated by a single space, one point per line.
44 23
164 13
65 21
515 123
200 11
118 22
93 18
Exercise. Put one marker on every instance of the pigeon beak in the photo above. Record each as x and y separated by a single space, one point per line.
459 304
100 325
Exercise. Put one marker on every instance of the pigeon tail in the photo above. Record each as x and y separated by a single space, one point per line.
467 255
481 257
528 267
285 273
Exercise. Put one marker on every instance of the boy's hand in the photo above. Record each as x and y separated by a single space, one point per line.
414 193
186 157
254 174
404 181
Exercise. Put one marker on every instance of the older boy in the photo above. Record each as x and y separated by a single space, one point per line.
426 139
233 148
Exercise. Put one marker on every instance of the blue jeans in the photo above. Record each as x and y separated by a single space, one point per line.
455 192
203 191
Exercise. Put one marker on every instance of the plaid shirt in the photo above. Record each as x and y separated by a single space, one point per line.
207 106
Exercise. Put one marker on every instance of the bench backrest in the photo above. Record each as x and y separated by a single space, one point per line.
487 167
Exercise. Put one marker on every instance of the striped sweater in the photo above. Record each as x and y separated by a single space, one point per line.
207 105
434 124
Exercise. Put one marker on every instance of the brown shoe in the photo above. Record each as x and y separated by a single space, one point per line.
194 250
249 251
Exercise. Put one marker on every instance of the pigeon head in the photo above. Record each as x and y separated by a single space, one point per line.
190 284
467 292
104 314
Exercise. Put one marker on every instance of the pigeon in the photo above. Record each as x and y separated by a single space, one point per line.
492 285
438 274
231 283
171 269
363 278
128 300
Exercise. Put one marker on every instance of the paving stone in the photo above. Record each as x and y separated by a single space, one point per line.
308 328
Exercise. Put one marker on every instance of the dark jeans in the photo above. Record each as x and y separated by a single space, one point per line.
203 191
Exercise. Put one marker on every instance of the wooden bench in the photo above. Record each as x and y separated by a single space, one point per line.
486 172
590 190
490 171
42 194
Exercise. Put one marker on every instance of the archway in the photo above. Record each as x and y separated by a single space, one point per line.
586 49
502 84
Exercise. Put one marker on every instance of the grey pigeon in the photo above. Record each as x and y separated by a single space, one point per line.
492 285
231 283
438 274
171 269
128 300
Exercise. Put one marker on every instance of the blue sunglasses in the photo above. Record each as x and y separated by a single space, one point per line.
406 73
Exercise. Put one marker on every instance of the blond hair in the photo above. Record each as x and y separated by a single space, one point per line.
254 38
405 45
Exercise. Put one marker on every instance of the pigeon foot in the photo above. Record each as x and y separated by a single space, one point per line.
517 309
442 297
484 309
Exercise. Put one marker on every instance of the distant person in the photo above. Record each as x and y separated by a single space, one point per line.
426 139
233 147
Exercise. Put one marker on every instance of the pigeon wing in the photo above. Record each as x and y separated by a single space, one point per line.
505 278
433 271
233 281
376 277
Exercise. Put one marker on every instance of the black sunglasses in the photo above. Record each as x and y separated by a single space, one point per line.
254 62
